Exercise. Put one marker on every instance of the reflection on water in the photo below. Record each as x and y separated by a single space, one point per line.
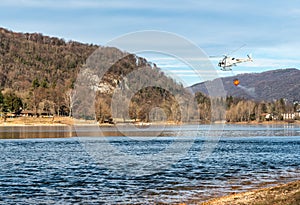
23 132
60 171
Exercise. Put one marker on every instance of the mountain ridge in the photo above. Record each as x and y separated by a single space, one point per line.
265 86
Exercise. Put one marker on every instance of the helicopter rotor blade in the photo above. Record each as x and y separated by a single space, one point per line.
215 56
237 49
219 56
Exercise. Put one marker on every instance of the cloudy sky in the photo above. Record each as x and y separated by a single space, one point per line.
269 30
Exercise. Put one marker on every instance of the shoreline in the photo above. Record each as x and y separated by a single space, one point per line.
287 193
67 121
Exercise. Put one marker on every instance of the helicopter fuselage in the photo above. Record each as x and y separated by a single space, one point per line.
227 62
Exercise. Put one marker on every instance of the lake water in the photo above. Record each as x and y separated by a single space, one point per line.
62 169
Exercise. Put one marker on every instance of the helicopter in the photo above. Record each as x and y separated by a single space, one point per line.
227 62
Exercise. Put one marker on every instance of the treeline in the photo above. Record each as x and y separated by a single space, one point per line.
243 110
41 98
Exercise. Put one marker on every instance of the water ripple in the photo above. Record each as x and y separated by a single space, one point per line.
59 171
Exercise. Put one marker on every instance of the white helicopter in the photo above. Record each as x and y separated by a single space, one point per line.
227 62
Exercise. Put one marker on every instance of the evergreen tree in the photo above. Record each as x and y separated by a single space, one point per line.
12 103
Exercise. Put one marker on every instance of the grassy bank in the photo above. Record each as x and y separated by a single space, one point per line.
31 121
284 194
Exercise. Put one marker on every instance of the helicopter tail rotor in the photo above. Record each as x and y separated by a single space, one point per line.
250 57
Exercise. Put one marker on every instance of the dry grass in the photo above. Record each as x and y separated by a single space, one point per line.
37 121
286 194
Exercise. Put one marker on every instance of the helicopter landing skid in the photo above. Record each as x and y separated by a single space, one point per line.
226 69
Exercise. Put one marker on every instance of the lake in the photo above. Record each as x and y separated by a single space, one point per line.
56 165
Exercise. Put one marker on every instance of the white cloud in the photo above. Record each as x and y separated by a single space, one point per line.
270 31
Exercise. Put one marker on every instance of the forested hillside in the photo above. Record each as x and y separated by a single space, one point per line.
37 75
25 57
39 70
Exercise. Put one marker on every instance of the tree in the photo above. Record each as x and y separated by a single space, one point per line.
35 95
1 98
12 103
44 83
133 111
280 108
69 100
35 83
204 106
102 111
1 102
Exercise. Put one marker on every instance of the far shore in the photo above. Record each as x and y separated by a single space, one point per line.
68 121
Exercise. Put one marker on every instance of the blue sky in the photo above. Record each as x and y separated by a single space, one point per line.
270 30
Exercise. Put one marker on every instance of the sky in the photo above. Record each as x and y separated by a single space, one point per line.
269 30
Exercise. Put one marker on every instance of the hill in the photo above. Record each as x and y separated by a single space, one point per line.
37 74
266 86
25 57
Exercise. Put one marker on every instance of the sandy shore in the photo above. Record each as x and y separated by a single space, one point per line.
57 121
265 122
41 121
283 194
